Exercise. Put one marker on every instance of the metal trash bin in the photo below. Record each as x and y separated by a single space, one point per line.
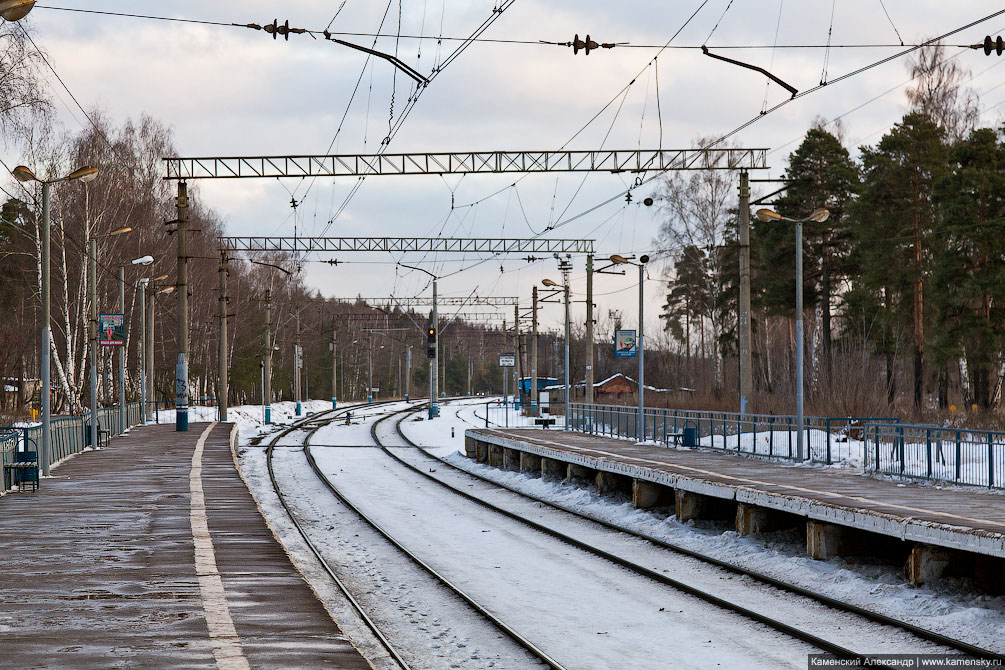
690 437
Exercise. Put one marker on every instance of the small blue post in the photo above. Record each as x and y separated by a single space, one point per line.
268 414
300 409
335 402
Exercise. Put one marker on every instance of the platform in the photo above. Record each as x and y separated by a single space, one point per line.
150 554
827 499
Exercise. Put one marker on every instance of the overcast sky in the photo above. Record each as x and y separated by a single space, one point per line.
228 91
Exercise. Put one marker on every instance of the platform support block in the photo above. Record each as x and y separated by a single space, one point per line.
926 564
649 494
495 456
530 463
552 469
825 540
511 460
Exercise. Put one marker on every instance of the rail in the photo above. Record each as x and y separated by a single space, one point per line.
952 455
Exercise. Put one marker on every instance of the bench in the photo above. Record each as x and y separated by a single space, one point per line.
23 469
544 421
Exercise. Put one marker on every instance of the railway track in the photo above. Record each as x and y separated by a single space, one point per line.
917 631
328 417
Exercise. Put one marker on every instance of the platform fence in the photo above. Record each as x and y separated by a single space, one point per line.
951 455
830 440
513 414
70 434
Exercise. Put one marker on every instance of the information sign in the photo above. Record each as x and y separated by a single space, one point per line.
625 344
507 360
111 330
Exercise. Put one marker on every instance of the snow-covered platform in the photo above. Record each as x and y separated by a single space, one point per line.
938 529
152 553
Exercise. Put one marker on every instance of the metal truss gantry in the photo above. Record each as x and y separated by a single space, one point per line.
465 162
405 244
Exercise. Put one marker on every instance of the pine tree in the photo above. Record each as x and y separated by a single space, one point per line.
969 276
895 218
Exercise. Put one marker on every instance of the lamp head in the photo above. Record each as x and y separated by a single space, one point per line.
120 231
767 215
161 278
23 174
548 282
84 174
14 10
145 260
618 260
819 215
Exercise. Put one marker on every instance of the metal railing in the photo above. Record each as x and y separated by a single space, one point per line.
830 439
512 414
70 434
953 455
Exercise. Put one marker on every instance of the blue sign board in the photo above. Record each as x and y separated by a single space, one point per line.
625 344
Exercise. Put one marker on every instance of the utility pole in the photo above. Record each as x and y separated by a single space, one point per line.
519 358
149 349
92 281
267 371
298 361
408 371
516 352
565 266
143 349
588 396
122 352
181 369
746 370
534 404
641 432
224 382
505 377
334 367
434 411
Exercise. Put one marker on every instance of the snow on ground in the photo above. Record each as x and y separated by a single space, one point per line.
583 610
951 606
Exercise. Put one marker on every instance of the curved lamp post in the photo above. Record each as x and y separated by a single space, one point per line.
23 174
565 290
640 430
816 216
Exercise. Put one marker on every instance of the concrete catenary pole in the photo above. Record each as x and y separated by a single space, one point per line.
298 361
181 368
122 352
224 381
46 339
334 367
588 398
534 404
92 336
568 329
150 342
641 432
516 352
143 349
799 340
434 411
408 372
743 321
267 371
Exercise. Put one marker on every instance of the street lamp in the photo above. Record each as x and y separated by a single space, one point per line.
14 10
640 427
145 260
564 266
23 174
816 216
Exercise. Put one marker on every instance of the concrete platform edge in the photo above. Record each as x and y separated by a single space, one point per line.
944 535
